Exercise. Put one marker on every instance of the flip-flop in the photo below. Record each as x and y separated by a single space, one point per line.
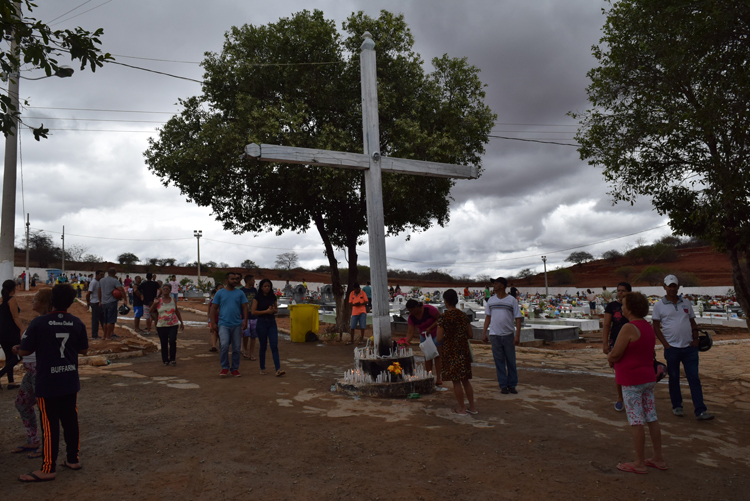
458 413
67 465
654 465
36 479
280 372
245 356
628 467
25 448
35 455
472 412
253 358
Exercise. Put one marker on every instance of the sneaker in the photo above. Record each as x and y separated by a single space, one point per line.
512 390
224 372
505 391
705 416
619 406
677 411
166 363
173 363
236 373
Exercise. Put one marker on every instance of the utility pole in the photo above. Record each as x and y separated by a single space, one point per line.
546 287
63 250
28 224
8 218
198 234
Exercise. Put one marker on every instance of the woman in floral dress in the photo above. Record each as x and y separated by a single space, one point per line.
454 331
166 326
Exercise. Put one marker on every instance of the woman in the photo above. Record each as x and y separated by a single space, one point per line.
10 330
26 399
264 307
423 319
453 332
214 332
613 322
633 360
166 325
591 298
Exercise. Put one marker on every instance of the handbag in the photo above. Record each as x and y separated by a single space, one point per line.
428 348
471 352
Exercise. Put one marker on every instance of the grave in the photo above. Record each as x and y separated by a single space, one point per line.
555 333
299 293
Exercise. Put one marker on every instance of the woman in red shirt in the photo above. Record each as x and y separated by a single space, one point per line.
633 360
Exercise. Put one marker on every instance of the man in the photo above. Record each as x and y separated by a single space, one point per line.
137 304
108 302
606 295
175 285
514 291
613 322
231 305
502 312
675 327
288 289
467 293
92 302
149 289
126 283
368 291
487 292
57 339
358 300
250 333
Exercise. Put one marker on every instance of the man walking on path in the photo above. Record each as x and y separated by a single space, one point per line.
358 300
108 301
92 302
502 312
137 304
674 325
231 305
175 288
149 289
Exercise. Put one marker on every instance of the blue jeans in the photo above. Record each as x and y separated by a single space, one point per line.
504 353
174 296
267 332
227 334
689 358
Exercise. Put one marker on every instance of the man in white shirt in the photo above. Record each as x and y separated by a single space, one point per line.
503 317
675 327
92 302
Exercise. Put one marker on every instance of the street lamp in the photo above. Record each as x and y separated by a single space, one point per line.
546 287
198 234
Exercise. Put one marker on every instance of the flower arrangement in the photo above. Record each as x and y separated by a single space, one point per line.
402 342
395 369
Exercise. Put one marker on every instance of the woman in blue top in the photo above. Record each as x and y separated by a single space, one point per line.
265 307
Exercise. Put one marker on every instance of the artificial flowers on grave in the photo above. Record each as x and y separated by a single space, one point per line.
395 368
402 342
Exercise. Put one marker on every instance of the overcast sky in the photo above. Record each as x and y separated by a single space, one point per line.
533 199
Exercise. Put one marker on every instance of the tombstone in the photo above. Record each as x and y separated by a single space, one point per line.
299 293
471 315
326 294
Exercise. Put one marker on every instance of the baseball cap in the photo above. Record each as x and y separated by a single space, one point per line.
501 280
671 279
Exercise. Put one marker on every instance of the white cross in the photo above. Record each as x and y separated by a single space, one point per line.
373 164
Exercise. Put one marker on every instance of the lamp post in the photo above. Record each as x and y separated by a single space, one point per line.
63 250
198 234
546 287
28 226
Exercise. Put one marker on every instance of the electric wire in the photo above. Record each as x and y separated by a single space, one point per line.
71 10
82 13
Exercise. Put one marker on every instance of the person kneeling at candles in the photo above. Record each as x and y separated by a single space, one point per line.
633 360
423 319
454 331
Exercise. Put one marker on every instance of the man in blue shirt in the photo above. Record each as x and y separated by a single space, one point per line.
231 305
368 291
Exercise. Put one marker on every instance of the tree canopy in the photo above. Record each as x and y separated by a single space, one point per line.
296 82
579 257
670 117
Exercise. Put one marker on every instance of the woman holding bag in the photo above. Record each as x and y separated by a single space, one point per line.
423 319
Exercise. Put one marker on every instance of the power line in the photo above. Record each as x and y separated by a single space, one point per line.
95 109
155 59
534 140
82 13
71 10
99 120
94 130
154 71
112 238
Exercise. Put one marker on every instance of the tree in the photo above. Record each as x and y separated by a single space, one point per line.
127 258
653 275
167 261
525 273
669 117
39 47
42 249
286 261
75 252
438 116
579 258
625 272
249 264
612 255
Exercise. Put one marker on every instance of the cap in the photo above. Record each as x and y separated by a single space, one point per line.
501 280
671 279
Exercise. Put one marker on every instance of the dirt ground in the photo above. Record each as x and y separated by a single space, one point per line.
155 432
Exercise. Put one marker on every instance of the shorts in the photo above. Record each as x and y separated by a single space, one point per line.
360 319
640 404
138 311
147 312
422 339
592 305
251 331
109 313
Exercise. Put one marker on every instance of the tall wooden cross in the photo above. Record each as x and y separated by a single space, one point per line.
373 164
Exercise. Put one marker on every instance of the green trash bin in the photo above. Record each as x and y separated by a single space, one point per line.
304 318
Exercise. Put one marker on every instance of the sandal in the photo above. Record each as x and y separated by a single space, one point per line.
34 478
25 448
35 455
263 372
280 372
253 358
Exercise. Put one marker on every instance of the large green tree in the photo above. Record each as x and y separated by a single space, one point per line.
296 82
671 118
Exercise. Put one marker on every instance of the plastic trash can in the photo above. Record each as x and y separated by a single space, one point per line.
304 318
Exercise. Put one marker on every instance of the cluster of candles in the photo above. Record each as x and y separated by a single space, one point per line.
355 376
369 353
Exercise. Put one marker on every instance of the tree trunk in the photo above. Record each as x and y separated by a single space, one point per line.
343 311
740 280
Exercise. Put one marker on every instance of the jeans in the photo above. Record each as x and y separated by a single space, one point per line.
689 358
229 334
96 320
267 332
504 353
174 296
168 338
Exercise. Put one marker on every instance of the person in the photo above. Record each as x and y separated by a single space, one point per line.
167 314
633 360
304 284
265 307
467 293
108 301
26 398
614 319
215 320
92 302
501 312
397 292
137 300
358 300
423 319
487 293
126 283
250 334
591 298
288 289
57 339
514 291
391 291
231 305
149 289
606 295
10 330
174 288
675 327
453 332
368 291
